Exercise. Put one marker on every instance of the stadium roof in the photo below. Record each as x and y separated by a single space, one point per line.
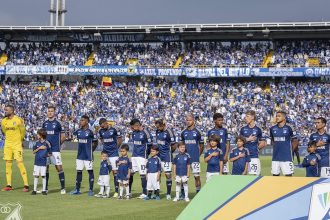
170 32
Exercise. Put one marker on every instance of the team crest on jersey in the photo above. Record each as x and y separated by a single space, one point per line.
86 134
14 123
54 125
141 135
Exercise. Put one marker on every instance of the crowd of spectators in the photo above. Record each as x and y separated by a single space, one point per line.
48 54
148 100
226 54
146 54
298 53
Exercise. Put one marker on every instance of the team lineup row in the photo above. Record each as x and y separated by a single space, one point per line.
244 156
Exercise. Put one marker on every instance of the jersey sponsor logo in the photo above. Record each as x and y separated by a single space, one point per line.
137 142
83 141
279 138
161 142
50 132
10 129
108 140
190 141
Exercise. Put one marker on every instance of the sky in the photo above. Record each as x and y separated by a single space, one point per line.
125 12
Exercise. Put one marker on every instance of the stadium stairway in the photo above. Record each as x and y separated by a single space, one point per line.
178 61
90 60
313 62
132 61
253 197
267 59
3 59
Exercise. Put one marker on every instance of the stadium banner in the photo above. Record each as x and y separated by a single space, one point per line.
36 70
217 72
2 70
317 72
280 72
159 71
108 38
100 70
190 72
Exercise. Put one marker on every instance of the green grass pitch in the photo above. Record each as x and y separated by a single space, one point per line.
56 206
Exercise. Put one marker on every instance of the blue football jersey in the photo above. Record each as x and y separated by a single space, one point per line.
141 141
153 165
213 165
224 137
239 164
54 130
40 158
123 168
323 151
164 140
181 162
85 144
312 170
246 131
282 142
105 167
192 139
110 144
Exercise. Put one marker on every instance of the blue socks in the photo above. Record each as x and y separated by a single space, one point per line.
144 184
115 181
78 179
91 179
62 179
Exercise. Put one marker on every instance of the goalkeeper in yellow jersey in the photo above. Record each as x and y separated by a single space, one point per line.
13 129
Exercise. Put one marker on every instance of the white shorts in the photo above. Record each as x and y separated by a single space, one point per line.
195 168
325 172
81 164
181 179
55 159
123 181
286 167
209 175
166 167
139 165
112 161
152 183
39 170
225 167
104 180
254 166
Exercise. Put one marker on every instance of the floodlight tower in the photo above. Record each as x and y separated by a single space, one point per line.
57 12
